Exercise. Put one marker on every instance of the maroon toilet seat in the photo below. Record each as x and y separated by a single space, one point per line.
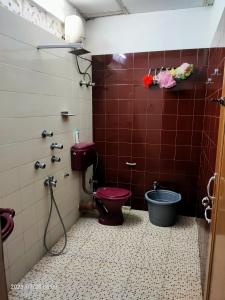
112 193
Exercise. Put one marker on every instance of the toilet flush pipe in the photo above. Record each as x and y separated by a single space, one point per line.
90 205
84 184
86 205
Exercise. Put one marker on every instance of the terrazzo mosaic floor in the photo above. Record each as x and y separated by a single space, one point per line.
135 261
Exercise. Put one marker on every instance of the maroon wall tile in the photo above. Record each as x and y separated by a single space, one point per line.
141 60
209 126
169 133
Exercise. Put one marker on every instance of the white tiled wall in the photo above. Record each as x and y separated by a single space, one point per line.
35 86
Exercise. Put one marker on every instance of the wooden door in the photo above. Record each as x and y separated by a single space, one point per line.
215 286
3 287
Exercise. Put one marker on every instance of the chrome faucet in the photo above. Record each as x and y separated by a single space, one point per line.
155 185
56 146
39 165
87 83
46 133
90 83
55 159
50 181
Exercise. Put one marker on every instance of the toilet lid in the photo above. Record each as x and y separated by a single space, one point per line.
112 192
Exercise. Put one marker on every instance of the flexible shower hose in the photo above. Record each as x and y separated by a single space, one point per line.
46 228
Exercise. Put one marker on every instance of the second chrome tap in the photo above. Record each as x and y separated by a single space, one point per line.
56 146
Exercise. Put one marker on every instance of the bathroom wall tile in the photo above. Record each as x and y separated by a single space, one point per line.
170 107
139 121
35 88
125 106
98 62
154 137
190 56
207 125
155 93
155 107
125 121
18 270
117 62
168 137
172 58
199 107
138 150
124 176
185 107
140 164
138 75
99 107
125 91
9 182
124 149
156 59
18 244
184 137
159 127
169 122
100 135
13 201
154 122
184 122
30 237
140 92
167 152
153 151
203 56
139 136
141 60
18 228
125 135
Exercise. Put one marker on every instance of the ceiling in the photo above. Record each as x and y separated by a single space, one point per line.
90 9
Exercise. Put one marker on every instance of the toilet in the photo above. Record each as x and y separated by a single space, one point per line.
109 200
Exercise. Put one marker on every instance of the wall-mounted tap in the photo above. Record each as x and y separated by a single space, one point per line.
83 82
55 159
87 83
46 133
50 181
155 185
90 83
39 165
216 72
209 81
56 146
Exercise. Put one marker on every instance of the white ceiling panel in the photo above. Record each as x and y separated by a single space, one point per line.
99 8
140 6
91 8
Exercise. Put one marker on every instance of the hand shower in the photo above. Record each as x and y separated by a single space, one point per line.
51 182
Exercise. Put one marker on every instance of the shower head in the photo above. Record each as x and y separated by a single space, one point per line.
79 51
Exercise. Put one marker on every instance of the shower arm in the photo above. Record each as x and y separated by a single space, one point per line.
66 46
77 50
